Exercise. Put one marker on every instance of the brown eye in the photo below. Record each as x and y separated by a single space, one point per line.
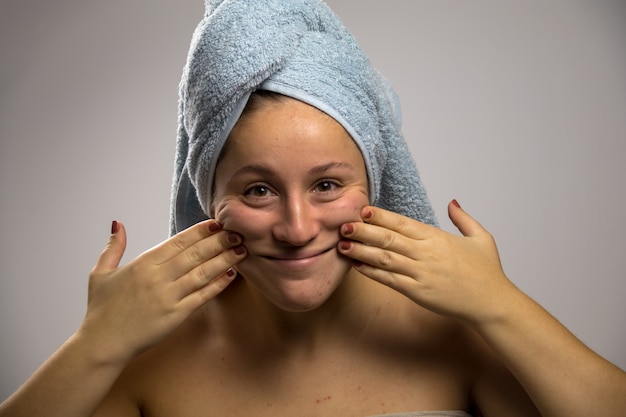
258 191
325 186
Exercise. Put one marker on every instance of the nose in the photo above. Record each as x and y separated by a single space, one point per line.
298 223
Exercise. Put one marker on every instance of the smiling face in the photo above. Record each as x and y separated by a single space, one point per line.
289 176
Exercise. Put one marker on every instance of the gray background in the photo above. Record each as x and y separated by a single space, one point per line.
517 109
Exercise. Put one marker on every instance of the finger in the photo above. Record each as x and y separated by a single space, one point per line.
201 277
399 282
396 222
183 240
202 252
463 221
112 254
383 266
386 261
379 237
199 297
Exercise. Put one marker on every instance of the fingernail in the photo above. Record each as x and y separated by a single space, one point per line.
347 229
231 273
239 250
456 203
367 215
214 226
233 238
114 227
345 245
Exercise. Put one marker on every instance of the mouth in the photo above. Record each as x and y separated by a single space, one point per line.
297 259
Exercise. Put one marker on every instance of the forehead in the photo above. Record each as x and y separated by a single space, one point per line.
276 126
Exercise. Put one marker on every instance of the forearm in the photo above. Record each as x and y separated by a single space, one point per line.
561 375
71 383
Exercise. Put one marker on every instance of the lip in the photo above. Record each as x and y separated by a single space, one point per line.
297 260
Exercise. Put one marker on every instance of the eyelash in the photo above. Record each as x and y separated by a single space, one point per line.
333 184
250 191
266 191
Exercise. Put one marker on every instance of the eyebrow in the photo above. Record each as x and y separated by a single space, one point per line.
317 170
327 167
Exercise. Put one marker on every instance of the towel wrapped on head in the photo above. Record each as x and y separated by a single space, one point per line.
301 49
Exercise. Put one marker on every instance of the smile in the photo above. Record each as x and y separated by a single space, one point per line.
297 260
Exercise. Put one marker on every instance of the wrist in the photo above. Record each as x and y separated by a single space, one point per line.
98 350
506 305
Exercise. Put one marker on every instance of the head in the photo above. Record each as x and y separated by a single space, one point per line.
288 177
301 49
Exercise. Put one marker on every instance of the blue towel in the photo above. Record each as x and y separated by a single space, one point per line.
301 49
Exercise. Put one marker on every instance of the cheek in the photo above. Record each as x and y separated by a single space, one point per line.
237 217
346 209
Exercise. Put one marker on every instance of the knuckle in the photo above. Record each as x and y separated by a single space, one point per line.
402 225
202 274
384 259
387 240
194 255
178 242
384 277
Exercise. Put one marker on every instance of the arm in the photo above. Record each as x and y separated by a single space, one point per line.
461 277
129 309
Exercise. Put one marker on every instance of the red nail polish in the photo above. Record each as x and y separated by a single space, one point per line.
214 227
231 273
114 227
456 203
347 229
345 245
367 215
239 250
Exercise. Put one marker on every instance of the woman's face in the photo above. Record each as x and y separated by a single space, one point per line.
288 178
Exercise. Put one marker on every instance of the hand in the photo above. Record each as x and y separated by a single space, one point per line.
133 307
459 276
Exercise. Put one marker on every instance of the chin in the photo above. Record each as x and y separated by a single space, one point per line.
297 293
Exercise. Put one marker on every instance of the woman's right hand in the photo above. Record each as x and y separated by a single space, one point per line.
131 308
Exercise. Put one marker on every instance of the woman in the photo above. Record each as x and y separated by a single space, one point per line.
300 296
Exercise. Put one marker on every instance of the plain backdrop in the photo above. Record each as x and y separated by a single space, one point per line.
517 109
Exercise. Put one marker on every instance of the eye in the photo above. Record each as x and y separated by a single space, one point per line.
258 191
325 186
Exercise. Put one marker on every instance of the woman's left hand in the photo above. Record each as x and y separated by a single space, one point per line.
458 276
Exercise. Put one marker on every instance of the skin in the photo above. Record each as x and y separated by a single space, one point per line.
340 308
288 180
289 201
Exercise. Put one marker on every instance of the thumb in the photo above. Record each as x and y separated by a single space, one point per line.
463 221
112 254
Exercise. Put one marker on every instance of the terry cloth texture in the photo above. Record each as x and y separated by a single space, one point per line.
301 49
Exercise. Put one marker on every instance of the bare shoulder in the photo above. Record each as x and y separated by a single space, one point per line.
453 350
493 390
